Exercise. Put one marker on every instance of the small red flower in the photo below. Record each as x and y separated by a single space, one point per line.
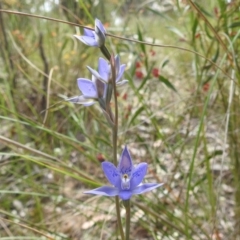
139 74
152 52
197 35
155 72
124 96
206 87
138 65
100 157
128 111
216 12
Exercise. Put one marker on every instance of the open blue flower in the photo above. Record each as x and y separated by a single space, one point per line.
95 90
93 38
104 71
125 178
92 91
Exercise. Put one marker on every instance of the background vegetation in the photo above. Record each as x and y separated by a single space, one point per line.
179 112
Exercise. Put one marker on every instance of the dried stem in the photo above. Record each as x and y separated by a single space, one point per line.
114 139
128 217
46 70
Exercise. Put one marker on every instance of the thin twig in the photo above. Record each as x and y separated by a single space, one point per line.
118 37
45 66
115 138
27 227
48 94
19 145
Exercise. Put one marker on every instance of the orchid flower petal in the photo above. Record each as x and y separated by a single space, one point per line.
90 41
125 165
103 69
96 74
99 24
101 88
138 174
121 71
104 191
146 187
121 83
87 87
112 174
125 195
88 32
81 100
90 103
117 64
99 33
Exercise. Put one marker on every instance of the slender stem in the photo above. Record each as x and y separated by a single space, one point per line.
118 37
128 217
114 139
119 220
105 52
115 128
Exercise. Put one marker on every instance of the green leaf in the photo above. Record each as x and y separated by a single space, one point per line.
167 83
140 38
203 10
194 28
165 63
235 24
163 15
135 115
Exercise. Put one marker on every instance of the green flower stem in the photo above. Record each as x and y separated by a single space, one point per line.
128 216
114 139
105 52
119 220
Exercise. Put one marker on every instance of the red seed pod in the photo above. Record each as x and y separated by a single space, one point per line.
139 74
138 65
206 87
152 52
198 35
155 72
124 96
100 157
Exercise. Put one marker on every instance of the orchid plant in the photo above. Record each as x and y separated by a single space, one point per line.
125 178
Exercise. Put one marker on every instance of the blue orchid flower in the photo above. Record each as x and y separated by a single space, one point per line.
93 38
95 90
92 91
104 71
125 178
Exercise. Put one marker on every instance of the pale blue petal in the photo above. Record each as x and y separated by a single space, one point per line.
138 174
90 41
99 37
125 195
96 74
99 33
88 32
112 174
81 100
104 191
117 64
87 87
90 103
99 24
101 88
103 69
121 83
121 71
125 164
146 187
